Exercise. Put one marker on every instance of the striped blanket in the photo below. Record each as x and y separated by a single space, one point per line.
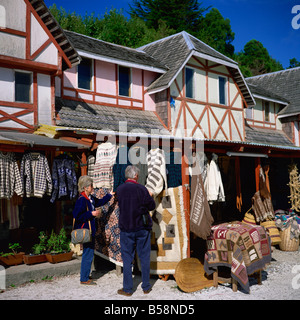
157 177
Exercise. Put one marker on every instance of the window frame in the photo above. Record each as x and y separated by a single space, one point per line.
129 81
193 83
225 90
91 77
30 73
266 114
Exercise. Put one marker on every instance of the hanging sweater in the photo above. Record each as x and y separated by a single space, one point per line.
36 174
10 178
103 168
213 183
157 177
64 178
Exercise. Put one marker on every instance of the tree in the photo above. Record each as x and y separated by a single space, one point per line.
178 14
216 32
294 63
255 60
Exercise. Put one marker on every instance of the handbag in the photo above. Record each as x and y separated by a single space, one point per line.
82 235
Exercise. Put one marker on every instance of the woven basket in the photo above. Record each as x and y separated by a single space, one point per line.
288 244
249 218
190 275
273 231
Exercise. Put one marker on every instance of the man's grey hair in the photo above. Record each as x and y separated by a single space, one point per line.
131 172
83 182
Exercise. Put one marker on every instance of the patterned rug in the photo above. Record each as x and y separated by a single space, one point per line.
243 247
169 234
107 238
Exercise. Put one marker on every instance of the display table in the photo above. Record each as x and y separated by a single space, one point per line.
244 248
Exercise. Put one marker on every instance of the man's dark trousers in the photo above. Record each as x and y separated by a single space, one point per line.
139 240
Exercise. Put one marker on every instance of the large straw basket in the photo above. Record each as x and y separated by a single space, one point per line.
190 275
288 244
273 231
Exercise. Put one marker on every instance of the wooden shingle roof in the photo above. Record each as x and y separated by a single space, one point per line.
286 84
79 114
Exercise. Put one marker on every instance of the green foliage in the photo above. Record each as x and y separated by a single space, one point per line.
58 243
255 60
41 247
294 63
14 250
216 32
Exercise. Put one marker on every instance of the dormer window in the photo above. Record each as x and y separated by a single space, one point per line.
85 74
189 83
124 81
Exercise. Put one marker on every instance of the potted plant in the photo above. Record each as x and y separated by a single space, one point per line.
39 250
59 247
12 258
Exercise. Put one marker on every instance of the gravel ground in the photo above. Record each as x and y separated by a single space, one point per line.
281 281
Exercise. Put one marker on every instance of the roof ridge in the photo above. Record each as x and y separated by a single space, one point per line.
110 43
163 39
275 72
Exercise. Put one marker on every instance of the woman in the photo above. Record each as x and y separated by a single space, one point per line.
85 211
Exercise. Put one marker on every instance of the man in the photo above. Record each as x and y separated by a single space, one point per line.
135 223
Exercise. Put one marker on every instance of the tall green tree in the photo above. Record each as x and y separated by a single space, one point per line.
216 32
178 14
294 63
255 60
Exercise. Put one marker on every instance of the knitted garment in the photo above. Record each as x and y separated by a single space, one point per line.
213 183
64 178
10 178
90 165
103 168
156 171
36 173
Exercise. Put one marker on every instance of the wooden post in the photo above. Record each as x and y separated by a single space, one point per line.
257 167
186 198
83 164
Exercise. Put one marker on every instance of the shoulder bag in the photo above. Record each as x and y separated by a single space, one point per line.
82 235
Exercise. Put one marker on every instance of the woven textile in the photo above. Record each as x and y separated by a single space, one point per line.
103 168
157 177
107 238
243 247
169 234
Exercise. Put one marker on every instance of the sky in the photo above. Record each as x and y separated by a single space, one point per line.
268 21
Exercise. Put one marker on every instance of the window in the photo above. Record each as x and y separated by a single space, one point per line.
124 81
249 113
267 111
23 81
222 90
85 74
189 83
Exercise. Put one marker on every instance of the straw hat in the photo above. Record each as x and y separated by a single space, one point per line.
249 218
190 275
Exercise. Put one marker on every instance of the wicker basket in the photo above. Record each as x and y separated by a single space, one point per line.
249 218
288 244
273 231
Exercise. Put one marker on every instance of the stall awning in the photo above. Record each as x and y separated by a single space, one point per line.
33 140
